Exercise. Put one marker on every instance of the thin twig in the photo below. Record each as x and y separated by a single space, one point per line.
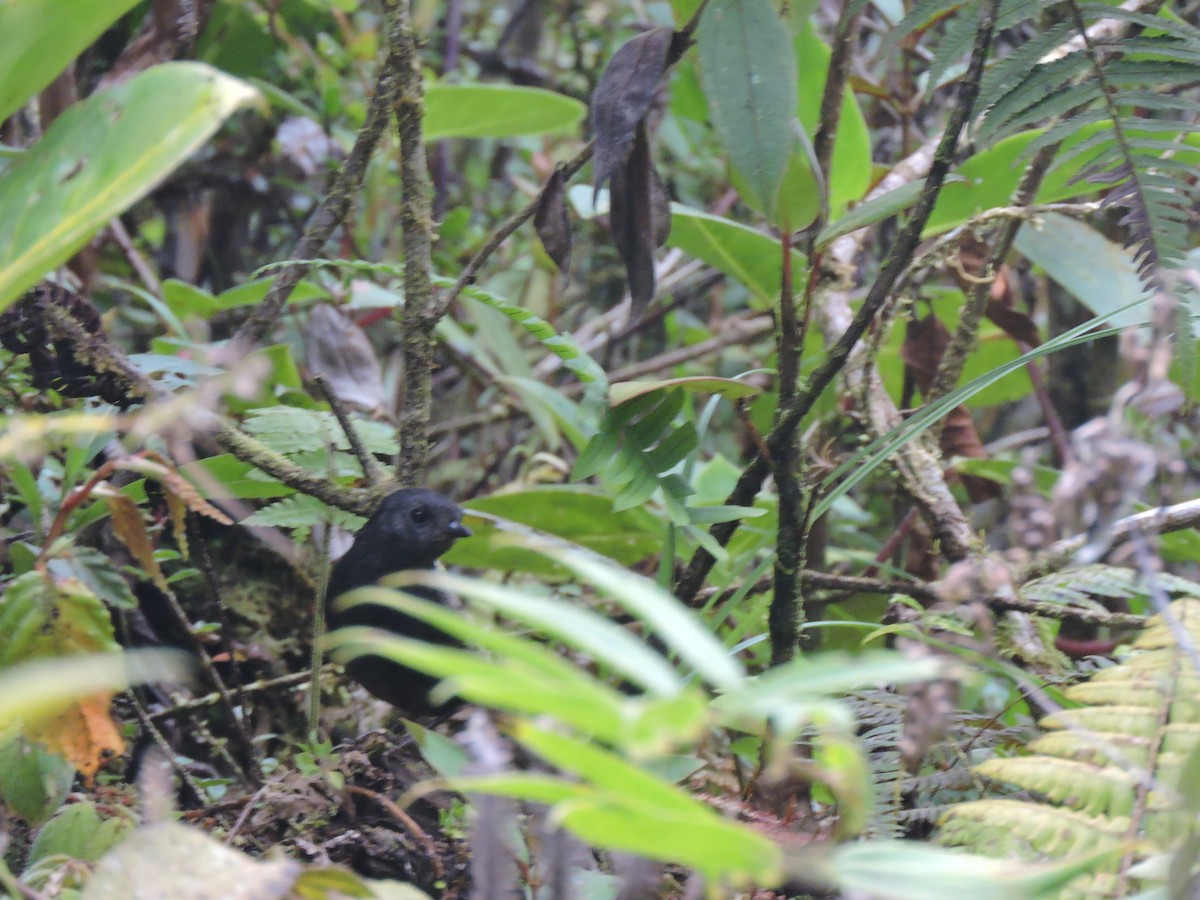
1178 517
370 465
291 680
407 821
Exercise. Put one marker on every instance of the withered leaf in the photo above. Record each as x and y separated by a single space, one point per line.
552 222
632 216
623 97
1016 324
127 524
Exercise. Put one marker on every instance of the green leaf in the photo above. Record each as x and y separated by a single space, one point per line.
33 782
41 37
876 210
748 70
625 391
850 165
77 831
1100 273
912 870
101 156
524 677
994 174
576 513
496 111
828 674
636 811
741 252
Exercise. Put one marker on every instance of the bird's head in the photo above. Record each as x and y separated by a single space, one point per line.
417 526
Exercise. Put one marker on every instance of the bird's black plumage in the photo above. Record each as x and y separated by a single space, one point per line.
410 530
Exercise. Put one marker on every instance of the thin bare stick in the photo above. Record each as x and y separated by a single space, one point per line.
370 465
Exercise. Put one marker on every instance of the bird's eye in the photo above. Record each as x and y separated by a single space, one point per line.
419 515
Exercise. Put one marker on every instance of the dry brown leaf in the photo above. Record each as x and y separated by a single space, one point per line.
131 529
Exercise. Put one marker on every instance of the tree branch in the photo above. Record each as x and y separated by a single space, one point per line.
898 260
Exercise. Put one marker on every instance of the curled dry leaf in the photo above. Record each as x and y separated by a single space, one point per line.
640 217
128 525
552 222
623 98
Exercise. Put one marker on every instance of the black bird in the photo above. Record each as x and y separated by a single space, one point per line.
410 530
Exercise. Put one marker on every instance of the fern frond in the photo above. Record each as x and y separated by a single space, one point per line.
1129 83
1114 767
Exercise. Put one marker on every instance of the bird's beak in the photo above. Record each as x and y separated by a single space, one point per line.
459 530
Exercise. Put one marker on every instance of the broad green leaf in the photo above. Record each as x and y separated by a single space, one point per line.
1100 273
741 252
913 870
992 176
625 391
850 164
33 781
225 475
748 70
724 852
876 210
188 301
827 674
41 37
524 677
496 111
101 156
576 513
78 831
636 811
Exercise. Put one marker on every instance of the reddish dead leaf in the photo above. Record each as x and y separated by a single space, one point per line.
1013 322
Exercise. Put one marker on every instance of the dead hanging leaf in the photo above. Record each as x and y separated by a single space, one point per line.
1001 309
924 343
639 216
1016 324
177 515
623 97
128 525
339 350
552 222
